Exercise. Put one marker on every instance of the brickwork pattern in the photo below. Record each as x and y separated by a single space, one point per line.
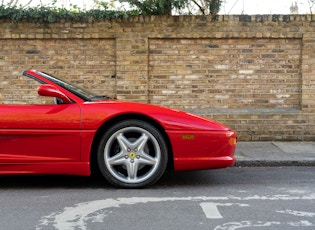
225 73
254 73
89 63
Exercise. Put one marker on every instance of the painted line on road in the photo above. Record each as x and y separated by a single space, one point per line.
298 213
211 209
76 217
259 224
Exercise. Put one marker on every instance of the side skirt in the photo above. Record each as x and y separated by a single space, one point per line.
55 168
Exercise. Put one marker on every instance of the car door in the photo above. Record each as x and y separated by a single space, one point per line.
39 133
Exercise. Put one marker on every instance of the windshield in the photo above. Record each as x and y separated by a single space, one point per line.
82 93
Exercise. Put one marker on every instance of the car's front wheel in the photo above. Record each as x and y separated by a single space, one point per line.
132 154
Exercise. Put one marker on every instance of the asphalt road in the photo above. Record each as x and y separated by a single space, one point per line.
232 198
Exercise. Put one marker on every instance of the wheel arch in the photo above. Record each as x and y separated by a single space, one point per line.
114 120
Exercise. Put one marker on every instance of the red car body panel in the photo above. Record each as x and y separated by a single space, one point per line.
202 149
58 138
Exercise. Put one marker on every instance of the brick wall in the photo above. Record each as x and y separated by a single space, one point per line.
253 73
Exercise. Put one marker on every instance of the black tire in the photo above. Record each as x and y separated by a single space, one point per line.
132 154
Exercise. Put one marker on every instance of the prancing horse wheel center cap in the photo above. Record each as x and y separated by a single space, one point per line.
132 155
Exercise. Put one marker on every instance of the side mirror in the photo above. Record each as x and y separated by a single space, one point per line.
52 91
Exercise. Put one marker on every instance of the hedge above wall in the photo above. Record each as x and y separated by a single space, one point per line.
44 15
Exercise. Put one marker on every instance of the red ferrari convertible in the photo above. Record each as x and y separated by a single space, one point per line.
130 144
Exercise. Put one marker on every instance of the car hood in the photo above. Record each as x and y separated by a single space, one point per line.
170 119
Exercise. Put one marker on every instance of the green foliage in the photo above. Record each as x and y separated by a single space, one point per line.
161 7
43 15
156 7
214 6
52 14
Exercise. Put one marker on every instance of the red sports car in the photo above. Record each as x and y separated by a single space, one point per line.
130 144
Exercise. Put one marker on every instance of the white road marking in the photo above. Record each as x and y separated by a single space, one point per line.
298 213
211 209
259 224
76 217
245 224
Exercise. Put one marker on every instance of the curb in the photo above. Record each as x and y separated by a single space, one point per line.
273 163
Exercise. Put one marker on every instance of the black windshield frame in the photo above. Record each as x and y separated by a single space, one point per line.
76 90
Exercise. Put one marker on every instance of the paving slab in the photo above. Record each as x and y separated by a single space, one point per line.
265 154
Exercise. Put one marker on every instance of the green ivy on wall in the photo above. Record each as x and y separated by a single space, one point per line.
44 15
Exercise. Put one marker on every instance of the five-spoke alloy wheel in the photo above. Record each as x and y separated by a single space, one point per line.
132 154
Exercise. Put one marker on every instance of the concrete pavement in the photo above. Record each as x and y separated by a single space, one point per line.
260 154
